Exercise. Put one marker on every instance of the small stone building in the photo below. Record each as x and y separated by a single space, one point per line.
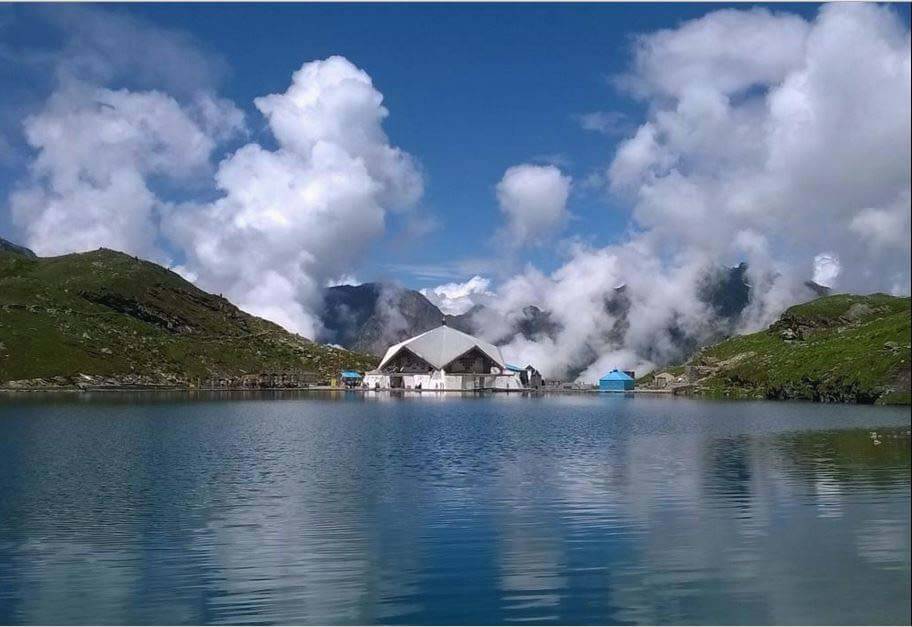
663 380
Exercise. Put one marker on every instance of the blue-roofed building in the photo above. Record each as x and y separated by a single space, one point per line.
351 378
616 381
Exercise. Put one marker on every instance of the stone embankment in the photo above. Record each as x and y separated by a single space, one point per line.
259 381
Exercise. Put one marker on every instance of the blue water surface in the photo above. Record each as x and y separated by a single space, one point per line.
369 508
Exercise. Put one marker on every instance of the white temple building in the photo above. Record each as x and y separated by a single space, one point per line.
443 359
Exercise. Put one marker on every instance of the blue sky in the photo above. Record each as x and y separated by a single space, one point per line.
471 89
245 146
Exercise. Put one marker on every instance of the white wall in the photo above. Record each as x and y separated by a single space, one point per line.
439 380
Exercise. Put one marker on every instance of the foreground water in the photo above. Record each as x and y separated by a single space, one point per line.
366 509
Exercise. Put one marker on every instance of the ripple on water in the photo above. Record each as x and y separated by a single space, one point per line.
572 510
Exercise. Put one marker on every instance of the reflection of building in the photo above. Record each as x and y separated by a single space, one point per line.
616 381
443 359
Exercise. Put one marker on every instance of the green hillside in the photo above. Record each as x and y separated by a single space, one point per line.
841 348
109 314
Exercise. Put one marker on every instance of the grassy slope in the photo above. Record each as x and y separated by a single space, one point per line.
837 348
107 313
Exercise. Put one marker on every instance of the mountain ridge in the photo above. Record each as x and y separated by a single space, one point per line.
372 316
105 314
838 348
108 314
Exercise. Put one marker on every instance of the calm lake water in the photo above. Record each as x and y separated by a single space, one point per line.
300 508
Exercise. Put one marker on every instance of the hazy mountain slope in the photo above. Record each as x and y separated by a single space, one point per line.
840 348
372 316
9 247
107 313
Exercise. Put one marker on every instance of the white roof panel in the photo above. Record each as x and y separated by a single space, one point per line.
442 345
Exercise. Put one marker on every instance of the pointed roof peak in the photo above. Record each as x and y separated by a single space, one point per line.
443 344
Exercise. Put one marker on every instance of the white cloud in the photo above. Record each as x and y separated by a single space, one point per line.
604 122
102 153
886 227
96 151
580 295
333 102
767 139
816 156
294 218
345 279
287 221
726 51
826 269
458 298
533 199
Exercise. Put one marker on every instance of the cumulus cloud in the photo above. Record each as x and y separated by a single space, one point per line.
126 138
769 139
727 51
458 298
291 219
96 151
886 227
101 152
765 138
822 142
533 198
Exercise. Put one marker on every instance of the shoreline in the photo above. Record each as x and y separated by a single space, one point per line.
315 388
9 392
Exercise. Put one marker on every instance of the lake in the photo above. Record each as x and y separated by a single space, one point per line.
350 508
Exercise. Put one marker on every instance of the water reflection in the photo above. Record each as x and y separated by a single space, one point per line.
380 509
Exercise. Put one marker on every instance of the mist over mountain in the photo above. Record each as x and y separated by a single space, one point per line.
372 316
779 138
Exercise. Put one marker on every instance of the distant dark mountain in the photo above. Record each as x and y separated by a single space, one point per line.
726 290
8 246
347 308
372 316
466 322
817 288
530 322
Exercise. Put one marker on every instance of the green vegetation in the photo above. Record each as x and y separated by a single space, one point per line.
840 348
109 314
